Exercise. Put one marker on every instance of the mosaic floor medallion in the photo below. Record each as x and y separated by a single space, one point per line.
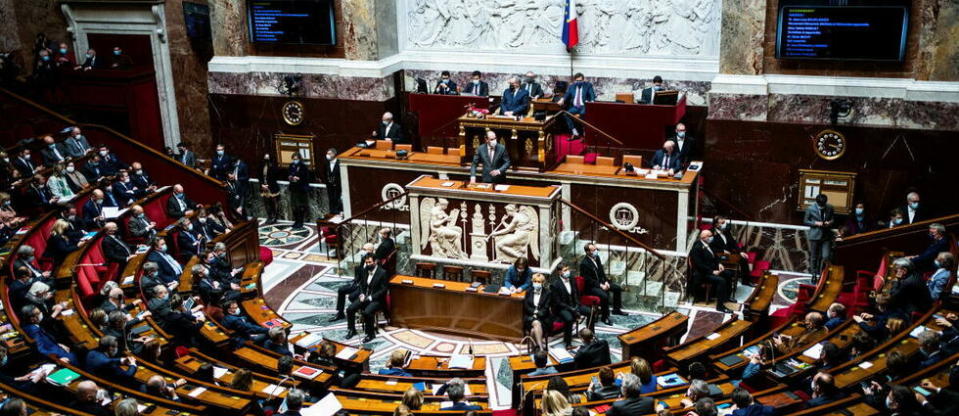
282 235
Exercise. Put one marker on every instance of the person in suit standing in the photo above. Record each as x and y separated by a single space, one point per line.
646 97
389 130
632 402
536 315
666 158
372 288
577 95
445 86
566 307
90 61
53 153
185 156
494 158
533 88
386 245
120 60
235 195
819 217
913 210
77 145
685 144
299 177
23 164
332 180
477 86
179 205
591 268
220 164
706 266
270 189
593 353
515 100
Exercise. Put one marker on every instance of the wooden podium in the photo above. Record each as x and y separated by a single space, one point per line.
527 140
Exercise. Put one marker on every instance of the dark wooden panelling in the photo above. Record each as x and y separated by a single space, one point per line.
657 213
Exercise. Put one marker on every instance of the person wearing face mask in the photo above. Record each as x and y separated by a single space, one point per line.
90 61
648 93
909 293
566 307
24 164
724 241
820 218
185 155
236 195
597 284
685 144
44 73
220 163
141 179
477 86
103 361
124 190
913 210
495 160
182 322
515 100
38 195
42 341
445 86
897 400
372 286
140 226
707 268
75 179
169 269
190 243
536 313
939 242
390 130
179 206
58 184
76 145
299 177
334 191
64 58
270 189
92 169
53 152
577 95
386 246
352 289
666 158
110 164
533 88
159 302
857 222
944 263
243 329
120 60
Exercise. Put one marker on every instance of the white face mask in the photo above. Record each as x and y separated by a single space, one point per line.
328 157
103 153
71 169
492 143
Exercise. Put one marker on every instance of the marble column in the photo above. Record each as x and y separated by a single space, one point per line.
188 59
741 41
359 29
938 58
9 39
227 21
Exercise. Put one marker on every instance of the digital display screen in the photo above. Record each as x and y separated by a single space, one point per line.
868 33
292 22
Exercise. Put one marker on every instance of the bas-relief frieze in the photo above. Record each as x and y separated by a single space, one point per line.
621 27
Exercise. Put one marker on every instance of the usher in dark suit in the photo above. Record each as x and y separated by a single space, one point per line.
500 161
591 268
566 307
705 262
374 289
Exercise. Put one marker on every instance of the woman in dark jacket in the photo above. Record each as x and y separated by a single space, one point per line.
536 317
59 245
269 189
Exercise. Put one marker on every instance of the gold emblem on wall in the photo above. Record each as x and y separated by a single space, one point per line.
528 146
293 112
475 142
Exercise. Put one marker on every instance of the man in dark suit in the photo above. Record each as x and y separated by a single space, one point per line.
93 210
591 268
77 145
457 392
185 156
909 292
386 246
566 307
243 329
372 288
632 403
299 177
141 179
515 100
53 152
913 210
725 244
43 342
593 353
124 190
577 95
169 269
389 130
38 196
820 218
445 86
92 169
103 362
494 158
666 158
646 97
350 290
23 164
685 144
939 243
91 61
235 195
220 164
477 86
706 266
179 205
110 163
294 402
189 242
533 89
140 226
332 181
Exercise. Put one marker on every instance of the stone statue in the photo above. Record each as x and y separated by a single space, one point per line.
440 230
514 240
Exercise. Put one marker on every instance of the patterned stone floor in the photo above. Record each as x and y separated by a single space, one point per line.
301 285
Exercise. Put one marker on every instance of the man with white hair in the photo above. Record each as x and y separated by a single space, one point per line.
632 402
389 130
515 100
914 212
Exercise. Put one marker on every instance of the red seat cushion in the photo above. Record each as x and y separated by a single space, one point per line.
266 255
590 158
558 326
589 300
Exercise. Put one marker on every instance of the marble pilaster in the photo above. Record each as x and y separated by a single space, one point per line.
228 24
359 31
188 60
741 38
9 38
939 41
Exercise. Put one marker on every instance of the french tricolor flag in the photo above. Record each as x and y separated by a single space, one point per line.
570 29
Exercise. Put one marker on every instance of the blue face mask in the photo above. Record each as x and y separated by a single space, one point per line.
63 51
859 212
914 205
3 361
117 53
936 263
46 58
89 55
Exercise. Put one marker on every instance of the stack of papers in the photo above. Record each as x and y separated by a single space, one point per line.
561 355
309 340
461 361
327 406
272 390
347 353
712 336
197 392
219 372
813 352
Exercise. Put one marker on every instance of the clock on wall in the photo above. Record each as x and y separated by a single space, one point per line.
293 113
829 144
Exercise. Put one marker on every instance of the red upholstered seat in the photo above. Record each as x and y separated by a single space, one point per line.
266 255
156 211
585 300
590 158
79 202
